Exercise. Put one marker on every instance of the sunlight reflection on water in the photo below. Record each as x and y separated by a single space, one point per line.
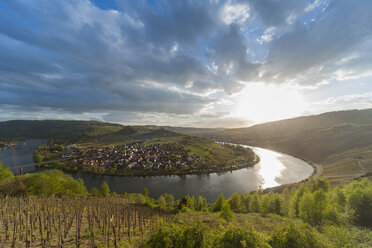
273 167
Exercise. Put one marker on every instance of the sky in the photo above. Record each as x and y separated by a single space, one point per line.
209 63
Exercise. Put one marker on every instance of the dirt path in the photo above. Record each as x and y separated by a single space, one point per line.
318 171
363 169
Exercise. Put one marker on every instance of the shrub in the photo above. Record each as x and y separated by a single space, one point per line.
226 212
314 207
296 235
359 202
5 173
217 206
52 183
94 191
105 189
236 236
180 236
145 192
235 202
162 203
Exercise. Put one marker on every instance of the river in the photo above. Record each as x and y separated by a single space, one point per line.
274 169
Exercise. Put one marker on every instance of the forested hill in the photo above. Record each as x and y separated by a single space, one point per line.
75 131
342 141
54 128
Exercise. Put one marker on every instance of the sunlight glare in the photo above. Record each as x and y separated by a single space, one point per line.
261 103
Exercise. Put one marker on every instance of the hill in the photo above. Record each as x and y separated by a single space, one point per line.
189 130
125 150
55 129
88 132
340 141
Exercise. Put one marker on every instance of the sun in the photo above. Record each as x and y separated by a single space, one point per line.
259 103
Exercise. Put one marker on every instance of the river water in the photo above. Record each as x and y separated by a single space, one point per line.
274 169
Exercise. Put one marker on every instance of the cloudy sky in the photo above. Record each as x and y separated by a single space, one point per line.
208 63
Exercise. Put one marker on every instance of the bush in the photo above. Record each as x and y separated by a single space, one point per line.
5 173
52 183
105 189
201 204
162 202
94 191
359 202
145 192
226 212
179 236
296 235
186 202
217 206
236 236
270 203
235 202
314 207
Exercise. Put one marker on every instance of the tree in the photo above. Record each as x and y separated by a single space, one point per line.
201 203
186 203
217 206
295 201
313 207
226 212
245 199
270 203
254 204
105 189
169 199
359 202
320 183
94 191
162 203
145 192
5 173
235 202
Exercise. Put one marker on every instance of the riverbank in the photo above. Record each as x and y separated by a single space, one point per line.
317 171
270 169
146 173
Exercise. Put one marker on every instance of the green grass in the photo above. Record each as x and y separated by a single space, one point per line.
205 148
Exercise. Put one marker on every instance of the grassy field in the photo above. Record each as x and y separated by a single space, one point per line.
340 141
204 148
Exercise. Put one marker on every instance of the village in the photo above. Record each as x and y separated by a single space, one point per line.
5 144
136 156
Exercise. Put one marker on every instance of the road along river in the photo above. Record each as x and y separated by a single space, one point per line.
274 169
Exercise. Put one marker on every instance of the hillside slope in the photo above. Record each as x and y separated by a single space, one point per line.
341 141
54 129
66 131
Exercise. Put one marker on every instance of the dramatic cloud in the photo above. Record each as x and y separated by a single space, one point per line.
130 61
335 46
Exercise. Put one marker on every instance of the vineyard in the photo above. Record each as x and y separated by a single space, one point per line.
75 222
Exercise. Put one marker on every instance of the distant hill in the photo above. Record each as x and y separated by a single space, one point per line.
54 129
189 130
78 131
341 141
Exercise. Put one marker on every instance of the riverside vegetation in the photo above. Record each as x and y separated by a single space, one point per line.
51 209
